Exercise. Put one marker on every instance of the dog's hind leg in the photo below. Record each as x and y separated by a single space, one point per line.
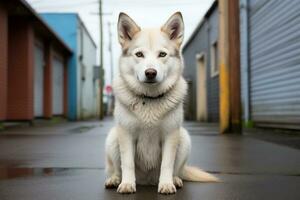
112 159
185 172
183 151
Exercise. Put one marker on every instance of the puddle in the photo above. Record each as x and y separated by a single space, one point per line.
82 129
12 173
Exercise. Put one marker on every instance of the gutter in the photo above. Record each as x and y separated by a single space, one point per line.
245 73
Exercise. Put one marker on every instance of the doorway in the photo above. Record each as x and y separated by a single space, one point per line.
201 88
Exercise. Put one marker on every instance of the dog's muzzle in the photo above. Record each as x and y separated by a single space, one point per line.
150 75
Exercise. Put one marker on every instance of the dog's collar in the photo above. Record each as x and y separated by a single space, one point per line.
151 97
146 97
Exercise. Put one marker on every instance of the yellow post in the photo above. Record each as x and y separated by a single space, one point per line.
224 67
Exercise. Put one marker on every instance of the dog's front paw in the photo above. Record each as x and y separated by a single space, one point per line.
166 188
126 188
177 182
112 182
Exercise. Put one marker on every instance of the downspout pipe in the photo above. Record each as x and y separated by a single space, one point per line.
245 72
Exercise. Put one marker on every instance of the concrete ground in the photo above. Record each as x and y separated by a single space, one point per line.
66 162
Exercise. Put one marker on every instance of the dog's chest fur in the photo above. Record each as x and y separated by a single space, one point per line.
148 149
148 156
150 112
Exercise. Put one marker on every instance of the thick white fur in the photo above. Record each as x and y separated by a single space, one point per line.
148 145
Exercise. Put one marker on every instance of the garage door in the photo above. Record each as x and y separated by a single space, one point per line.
275 62
58 86
38 81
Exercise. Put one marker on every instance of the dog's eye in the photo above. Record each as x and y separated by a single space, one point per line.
139 54
162 54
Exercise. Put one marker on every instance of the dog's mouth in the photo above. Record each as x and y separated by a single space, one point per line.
150 81
147 81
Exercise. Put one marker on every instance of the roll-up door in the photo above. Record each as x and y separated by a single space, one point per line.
38 81
58 86
274 40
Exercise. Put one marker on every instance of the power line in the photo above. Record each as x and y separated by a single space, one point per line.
71 5
45 2
35 1
127 3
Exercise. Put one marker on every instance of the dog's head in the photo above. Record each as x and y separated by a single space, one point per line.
151 60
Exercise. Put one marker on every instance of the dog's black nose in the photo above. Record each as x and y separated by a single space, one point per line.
150 73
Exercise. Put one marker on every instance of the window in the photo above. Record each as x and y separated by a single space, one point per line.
214 57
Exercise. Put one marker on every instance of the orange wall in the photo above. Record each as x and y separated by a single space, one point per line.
20 69
3 62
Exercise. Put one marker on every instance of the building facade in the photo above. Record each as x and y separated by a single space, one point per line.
201 71
270 47
83 82
32 65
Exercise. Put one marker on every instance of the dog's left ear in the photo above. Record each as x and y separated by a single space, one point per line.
127 28
174 28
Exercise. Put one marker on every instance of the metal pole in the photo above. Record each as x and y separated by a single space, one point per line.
111 97
111 52
244 60
101 60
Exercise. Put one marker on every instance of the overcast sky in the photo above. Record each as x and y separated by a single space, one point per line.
147 13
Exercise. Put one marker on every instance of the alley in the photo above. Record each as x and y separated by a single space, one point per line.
66 161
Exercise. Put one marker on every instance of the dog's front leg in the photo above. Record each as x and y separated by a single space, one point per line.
166 185
127 152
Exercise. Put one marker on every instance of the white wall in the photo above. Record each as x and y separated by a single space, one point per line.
88 90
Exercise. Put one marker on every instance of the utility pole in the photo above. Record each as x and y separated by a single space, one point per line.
235 65
110 104
224 67
229 40
110 52
101 83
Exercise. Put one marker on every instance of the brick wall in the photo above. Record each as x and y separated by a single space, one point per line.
3 62
20 69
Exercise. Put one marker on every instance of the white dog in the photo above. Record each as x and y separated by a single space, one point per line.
148 145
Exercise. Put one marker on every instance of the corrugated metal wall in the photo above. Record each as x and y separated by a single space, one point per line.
274 61
201 43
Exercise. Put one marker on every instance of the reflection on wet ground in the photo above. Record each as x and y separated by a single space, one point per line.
82 129
88 184
13 172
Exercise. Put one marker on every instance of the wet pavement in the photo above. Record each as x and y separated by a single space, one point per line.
65 161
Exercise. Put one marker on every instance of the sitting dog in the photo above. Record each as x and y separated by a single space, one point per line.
148 145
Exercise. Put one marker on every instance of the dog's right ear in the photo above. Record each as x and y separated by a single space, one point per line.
174 28
127 28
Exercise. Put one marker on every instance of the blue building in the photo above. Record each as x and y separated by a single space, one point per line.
83 82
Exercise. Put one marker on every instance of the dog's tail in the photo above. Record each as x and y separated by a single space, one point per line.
195 174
